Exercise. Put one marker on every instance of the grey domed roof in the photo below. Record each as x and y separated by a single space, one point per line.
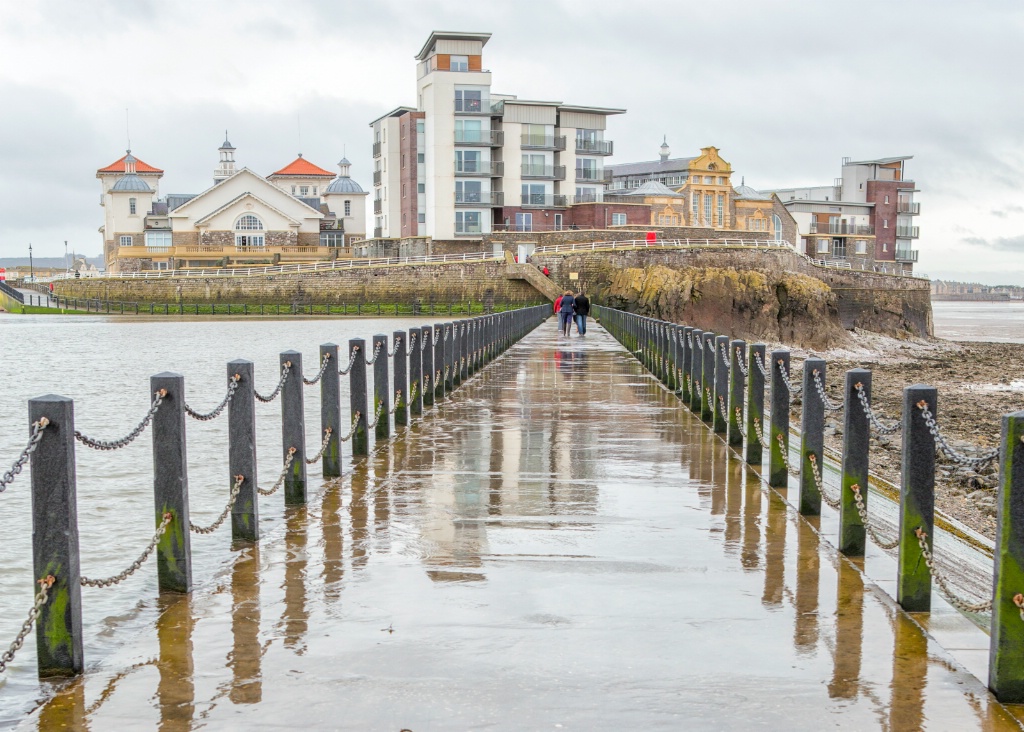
745 192
344 161
343 184
131 183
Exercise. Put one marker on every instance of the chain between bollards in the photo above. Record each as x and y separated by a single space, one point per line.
232 386
323 368
137 564
398 397
398 342
958 602
351 360
785 455
376 353
33 443
280 385
819 481
41 597
224 514
739 362
280 479
759 429
355 425
785 378
130 437
376 415
876 537
952 454
881 428
828 403
323 447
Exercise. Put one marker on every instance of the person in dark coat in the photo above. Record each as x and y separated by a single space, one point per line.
582 305
566 310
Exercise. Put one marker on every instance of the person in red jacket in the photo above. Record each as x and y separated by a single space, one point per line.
558 305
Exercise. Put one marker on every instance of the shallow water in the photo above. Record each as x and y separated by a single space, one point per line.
1000 322
562 545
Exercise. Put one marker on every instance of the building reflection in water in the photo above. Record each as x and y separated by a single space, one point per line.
295 617
175 692
244 659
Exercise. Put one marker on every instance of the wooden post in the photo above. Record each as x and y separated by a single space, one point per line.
1006 649
55 538
245 515
170 484
917 499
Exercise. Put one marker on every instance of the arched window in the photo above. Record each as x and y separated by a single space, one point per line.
245 224
777 224
712 166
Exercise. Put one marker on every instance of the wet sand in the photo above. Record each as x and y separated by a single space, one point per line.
561 546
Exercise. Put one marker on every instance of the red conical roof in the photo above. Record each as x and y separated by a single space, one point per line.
118 166
303 168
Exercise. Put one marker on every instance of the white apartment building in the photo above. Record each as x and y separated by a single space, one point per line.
467 161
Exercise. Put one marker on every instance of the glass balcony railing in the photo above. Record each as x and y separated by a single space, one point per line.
546 200
908 232
841 229
480 105
594 147
543 142
555 172
908 207
906 255
481 169
486 138
484 198
593 175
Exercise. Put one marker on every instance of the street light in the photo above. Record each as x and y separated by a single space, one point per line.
67 264
31 271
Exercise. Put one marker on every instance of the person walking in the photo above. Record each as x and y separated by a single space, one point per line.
566 311
558 314
582 305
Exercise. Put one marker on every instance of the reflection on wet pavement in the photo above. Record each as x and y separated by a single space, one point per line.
560 545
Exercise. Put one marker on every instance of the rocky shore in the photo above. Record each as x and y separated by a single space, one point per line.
978 382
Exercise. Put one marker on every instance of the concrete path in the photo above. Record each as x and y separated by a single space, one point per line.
561 546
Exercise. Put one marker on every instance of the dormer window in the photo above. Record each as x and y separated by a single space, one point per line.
459 63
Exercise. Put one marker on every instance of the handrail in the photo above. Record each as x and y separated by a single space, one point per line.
11 292
663 243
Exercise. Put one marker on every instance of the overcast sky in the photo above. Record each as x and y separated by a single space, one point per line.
784 89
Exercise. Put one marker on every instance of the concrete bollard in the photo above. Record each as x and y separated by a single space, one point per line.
427 353
357 399
401 378
778 474
856 441
55 538
720 393
707 377
381 388
737 383
449 357
755 404
685 359
464 338
917 499
668 340
170 485
245 516
812 438
330 410
696 369
1006 648
415 372
293 430
438 379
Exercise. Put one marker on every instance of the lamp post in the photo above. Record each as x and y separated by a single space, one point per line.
67 264
31 271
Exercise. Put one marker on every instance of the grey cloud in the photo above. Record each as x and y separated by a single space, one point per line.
1000 243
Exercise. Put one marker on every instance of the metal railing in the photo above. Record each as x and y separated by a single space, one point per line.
596 175
543 199
378 205
908 207
594 147
11 292
376 149
908 232
836 227
486 138
542 142
556 172
492 198
906 255
484 168
662 243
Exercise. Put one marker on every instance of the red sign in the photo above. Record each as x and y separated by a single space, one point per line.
3 274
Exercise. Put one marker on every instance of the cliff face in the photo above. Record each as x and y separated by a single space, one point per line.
750 304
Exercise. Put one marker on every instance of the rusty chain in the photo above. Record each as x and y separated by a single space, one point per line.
723 411
289 458
232 386
414 392
351 361
940 440
285 368
826 402
40 599
739 362
761 366
700 343
394 350
725 357
858 499
355 425
956 601
819 481
323 447
785 378
376 353
862 397
320 375
137 564
224 514
785 454
158 399
376 416
398 399
33 443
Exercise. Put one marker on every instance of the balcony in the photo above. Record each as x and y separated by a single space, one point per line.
593 175
594 147
378 206
483 169
378 232
376 149
541 200
906 255
909 207
542 142
838 228
377 177
231 252
908 232
551 172
481 138
492 199
473 106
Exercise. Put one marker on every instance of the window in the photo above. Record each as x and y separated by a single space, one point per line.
131 206
839 248
420 126
126 241
469 191
469 100
538 135
720 180
861 247
712 166
247 223
533 194
314 190
303 191
469 130
587 169
708 180
695 198
421 158
293 187
708 199
421 187
422 218
585 194
885 223
696 179
467 161
332 239
467 222
348 208
887 199
404 190
618 219
524 221
403 161
459 63
777 225
534 165
823 246
158 238
558 222
885 247
721 210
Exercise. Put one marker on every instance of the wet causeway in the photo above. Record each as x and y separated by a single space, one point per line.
559 546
